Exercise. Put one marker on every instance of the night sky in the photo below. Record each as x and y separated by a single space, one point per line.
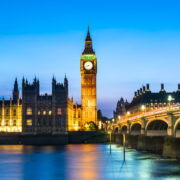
136 42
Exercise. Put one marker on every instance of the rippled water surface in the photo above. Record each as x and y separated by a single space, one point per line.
82 162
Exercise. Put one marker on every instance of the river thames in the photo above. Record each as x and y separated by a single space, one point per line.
82 162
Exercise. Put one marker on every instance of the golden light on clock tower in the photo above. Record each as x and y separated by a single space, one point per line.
88 67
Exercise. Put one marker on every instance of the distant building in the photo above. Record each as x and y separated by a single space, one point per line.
146 100
120 108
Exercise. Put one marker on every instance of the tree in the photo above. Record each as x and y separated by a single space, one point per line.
90 126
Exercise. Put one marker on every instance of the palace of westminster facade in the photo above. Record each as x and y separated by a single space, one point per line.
55 113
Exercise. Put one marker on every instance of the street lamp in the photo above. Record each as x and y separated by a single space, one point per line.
143 107
128 113
170 99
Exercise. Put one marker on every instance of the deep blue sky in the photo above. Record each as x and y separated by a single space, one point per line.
136 42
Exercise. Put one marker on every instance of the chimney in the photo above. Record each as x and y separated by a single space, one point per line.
141 92
147 87
144 89
178 87
135 94
138 93
162 87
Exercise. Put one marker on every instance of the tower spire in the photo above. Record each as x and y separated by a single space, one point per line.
88 37
88 44
15 90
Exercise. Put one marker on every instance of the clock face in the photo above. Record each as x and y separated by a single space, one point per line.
88 65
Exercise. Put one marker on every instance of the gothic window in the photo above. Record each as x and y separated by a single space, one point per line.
29 111
14 123
79 115
14 112
7 123
29 122
7 112
44 112
50 112
59 111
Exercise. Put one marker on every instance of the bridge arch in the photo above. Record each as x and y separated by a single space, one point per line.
116 129
135 128
157 127
124 129
177 128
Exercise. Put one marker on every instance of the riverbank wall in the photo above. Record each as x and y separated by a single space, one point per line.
164 145
78 137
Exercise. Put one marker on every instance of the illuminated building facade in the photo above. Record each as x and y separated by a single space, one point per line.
88 67
145 100
54 113
11 112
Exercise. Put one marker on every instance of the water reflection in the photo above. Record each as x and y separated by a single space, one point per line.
82 162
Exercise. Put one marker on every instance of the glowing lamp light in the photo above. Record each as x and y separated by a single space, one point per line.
76 127
100 125
119 117
170 98
128 113
143 107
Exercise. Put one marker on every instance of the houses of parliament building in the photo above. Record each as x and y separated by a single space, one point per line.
55 113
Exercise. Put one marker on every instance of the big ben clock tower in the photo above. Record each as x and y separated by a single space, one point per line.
88 67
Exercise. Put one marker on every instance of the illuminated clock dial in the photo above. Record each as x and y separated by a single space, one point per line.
88 65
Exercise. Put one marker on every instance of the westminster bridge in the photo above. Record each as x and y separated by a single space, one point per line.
164 121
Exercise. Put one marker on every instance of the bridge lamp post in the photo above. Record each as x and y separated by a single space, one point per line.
143 108
128 113
112 124
170 99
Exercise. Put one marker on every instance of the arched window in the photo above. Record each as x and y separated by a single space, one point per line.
14 123
14 112
29 111
29 122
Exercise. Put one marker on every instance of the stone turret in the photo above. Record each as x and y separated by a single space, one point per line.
15 91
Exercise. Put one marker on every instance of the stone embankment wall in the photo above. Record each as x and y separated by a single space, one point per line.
61 139
164 145
79 137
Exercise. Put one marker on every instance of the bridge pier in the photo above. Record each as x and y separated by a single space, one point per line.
143 126
171 122
128 127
